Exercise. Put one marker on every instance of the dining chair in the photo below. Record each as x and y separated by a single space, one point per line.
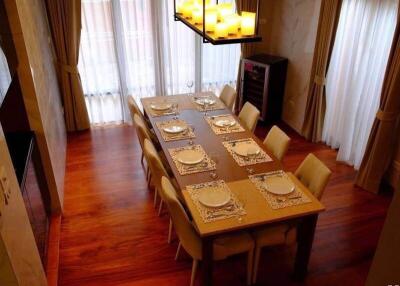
314 175
249 116
228 96
277 142
158 171
224 246
142 133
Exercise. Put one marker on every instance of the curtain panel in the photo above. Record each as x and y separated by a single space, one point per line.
316 101
379 150
246 49
65 23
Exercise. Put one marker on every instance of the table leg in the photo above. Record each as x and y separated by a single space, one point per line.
305 237
207 263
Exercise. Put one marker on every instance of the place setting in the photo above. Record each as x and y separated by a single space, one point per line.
246 152
163 108
214 201
191 159
278 189
224 124
207 103
172 130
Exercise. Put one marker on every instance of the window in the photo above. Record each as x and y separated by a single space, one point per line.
134 47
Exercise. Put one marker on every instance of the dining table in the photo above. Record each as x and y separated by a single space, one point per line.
258 213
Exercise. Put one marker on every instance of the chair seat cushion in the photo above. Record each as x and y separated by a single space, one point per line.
275 235
227 245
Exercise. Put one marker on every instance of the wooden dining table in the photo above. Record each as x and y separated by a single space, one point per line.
258 212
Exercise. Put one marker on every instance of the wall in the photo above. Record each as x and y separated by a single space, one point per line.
289 29
40 90
20 263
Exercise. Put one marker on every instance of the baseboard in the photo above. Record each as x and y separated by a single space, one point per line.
53 251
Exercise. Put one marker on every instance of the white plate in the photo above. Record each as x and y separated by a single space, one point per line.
204 101
175 128
225 122
161 106
246 149
279 185
214 197
190 157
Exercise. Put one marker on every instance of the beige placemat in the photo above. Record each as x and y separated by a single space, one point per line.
157 113
206 165
232 209
262 157
297 197
186 134
216 106
224 130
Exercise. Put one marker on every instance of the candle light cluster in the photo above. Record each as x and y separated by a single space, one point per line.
220 19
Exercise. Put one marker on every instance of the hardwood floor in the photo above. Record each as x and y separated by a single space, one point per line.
111 234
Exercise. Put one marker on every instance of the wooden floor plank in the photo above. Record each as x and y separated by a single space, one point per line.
111 234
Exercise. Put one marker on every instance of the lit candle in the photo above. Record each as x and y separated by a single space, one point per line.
211 20
197 16
248 23
221 30
233 22
224 9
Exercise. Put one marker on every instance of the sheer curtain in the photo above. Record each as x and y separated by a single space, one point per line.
355 75
134 47
5 77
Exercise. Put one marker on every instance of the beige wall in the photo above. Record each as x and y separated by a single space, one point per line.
40 89
19 258
289 29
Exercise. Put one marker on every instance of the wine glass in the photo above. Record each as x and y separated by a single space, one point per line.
175 110
190 84
215 158
243 201
191 128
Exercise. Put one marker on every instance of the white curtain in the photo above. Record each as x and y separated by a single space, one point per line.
355 75
5 77
134 47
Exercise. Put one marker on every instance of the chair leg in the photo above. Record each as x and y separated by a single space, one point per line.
256 262
155 197
160 207
178 250
250 257
194 269
170 231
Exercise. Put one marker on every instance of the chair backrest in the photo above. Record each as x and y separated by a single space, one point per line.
141 129
249 116
277 142
314 175
188 236
228 96
155 164
134 108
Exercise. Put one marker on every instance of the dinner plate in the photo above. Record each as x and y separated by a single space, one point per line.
279 185
214 197
161 106
205 100
225 122
175 128
246 149
190 157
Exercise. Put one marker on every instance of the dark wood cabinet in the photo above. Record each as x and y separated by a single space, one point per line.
263 80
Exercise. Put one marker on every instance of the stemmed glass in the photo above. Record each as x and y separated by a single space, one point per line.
175 110
190 84
192 128
215 158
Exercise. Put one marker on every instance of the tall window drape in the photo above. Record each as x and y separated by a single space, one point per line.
355 75
5 77
135 48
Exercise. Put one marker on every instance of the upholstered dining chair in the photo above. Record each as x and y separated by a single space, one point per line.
134 108
228 96
314 175
277 142
249 116
190 240
158 171
142 133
